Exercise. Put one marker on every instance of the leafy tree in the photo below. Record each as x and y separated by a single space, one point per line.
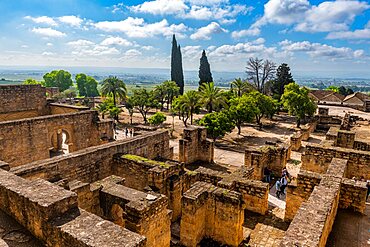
70 93
157 119
217 124
58 78
205 75
241 110
263 105
333 88
143 100
283 77
177 74
115 88
86 85
260 72
114 112
239 87
211 96
81 84
345 91
31 81
172 91
297 101
130 108
160 94
103 107
186 105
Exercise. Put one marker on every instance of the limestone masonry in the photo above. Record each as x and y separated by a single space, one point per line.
66 181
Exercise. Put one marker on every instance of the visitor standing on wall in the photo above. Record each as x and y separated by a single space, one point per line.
278 188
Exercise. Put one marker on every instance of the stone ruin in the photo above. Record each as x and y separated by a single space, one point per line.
132 193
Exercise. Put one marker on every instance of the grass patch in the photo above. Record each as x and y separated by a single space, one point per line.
142 159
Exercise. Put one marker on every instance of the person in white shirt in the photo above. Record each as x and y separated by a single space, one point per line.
284 183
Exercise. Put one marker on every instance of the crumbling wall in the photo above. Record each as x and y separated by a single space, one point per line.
27 140
211 212
195 146
302 135
320 209
317 158
353 195
56 219
22 101
56 108
95 163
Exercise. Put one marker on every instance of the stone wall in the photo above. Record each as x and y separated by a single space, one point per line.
315 218
95 163
139 212
353 195
317 158
27 140
22 101
56 219
209 211
56 108
302 135
195 146
52 91
273 157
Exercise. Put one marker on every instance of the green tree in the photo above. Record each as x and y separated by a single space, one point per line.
240 87
264 105
211 96
241 111
81 84
297 101
129 105
157 119
143 100
217 124
31 81
186 105
70 94
333 88
205 75
58 78
160 93
115 88
177 74
103 107
283 77
172 91
114 112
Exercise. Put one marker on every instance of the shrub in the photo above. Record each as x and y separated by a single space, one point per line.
157 119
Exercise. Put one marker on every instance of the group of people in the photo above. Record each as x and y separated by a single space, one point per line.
282 183
129 132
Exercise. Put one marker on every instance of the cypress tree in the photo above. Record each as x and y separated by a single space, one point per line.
283 78
205 75
177 74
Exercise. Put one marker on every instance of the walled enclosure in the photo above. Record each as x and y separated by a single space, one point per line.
22 101
195 146
34 138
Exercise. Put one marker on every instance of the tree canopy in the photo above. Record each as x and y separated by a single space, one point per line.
263 105
217 124
283 78
31 81
177 74
297 102
86 85
211 96
58 78
186 105
205 75
240 87
143 100
115 88
241 110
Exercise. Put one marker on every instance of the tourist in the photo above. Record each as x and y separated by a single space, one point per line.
267 174
284 183
126 132
132 132
278 188
368 189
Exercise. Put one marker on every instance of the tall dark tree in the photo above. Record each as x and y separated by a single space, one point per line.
283 78
205 75
177 74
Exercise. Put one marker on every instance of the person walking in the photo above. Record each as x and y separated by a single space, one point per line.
368 189
284 184
267 174
278 188
126 132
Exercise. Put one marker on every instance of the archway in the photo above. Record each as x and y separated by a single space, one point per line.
60 142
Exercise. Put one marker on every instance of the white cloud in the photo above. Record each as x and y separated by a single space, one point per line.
320 50
161 7
24 46
72 20
81 42
207 2
137 28
42 20
246 32
326 17
49 44
116 41
49 32
356 34
205 33
147 47
132 53
191 52
46 53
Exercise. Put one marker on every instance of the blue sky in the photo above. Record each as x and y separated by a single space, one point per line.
329 38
